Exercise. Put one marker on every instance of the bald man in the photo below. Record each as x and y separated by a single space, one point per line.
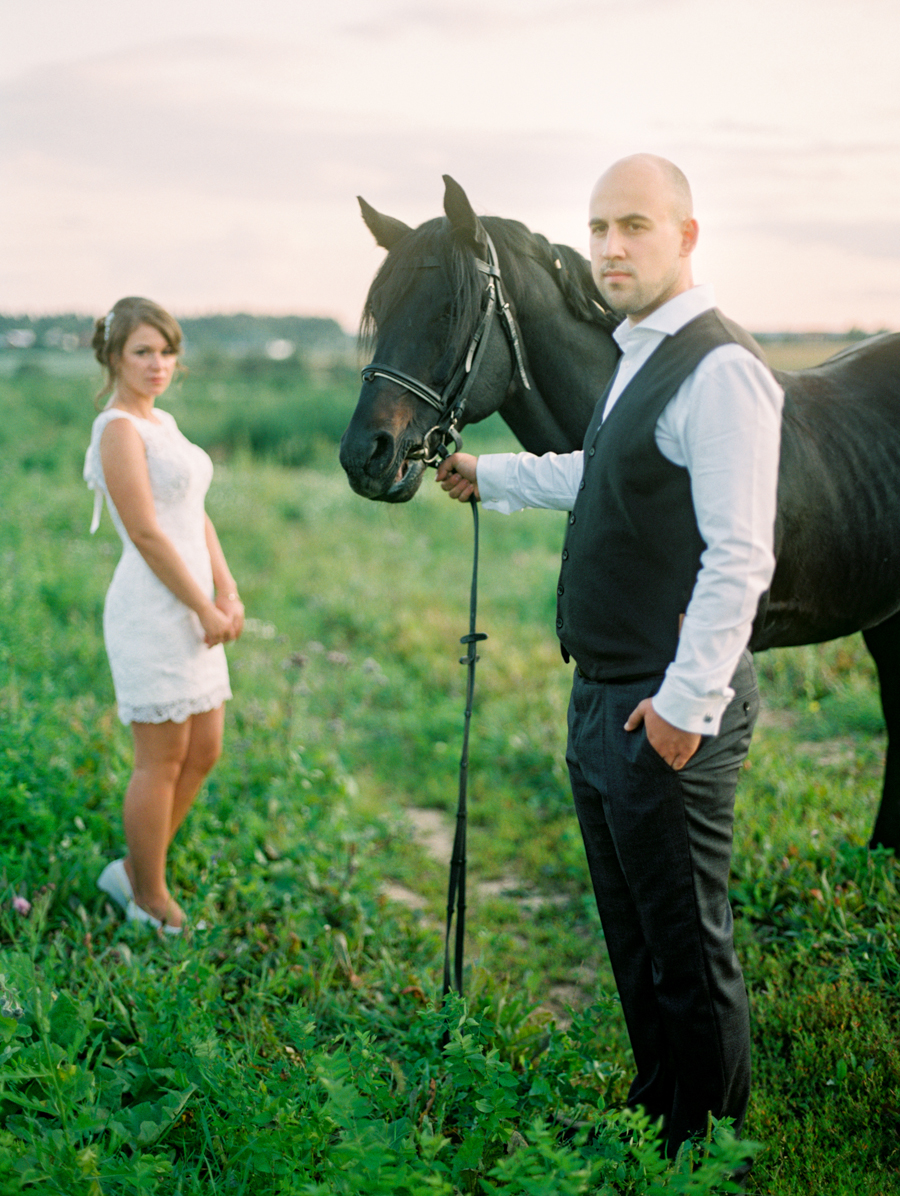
667 555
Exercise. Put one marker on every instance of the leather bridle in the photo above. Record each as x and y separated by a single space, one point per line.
450 403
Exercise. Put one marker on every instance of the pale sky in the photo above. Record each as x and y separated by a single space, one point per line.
208 153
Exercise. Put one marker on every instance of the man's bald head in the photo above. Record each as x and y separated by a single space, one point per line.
660 175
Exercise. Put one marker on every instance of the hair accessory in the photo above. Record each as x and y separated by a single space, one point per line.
107 324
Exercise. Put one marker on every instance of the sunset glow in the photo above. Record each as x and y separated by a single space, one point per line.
209 154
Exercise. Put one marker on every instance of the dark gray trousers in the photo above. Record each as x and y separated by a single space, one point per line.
658 845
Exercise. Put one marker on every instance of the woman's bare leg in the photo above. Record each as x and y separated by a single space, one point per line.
171 762
160 750
204 749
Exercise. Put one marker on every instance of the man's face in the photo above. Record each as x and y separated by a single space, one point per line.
640 239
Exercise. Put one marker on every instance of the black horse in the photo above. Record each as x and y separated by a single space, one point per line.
837 535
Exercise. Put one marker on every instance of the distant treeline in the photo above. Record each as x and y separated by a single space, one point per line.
790 338
239 335
244 335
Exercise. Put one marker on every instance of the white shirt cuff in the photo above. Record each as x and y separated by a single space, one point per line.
700 715
491 472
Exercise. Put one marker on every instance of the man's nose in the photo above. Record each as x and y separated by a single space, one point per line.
613 244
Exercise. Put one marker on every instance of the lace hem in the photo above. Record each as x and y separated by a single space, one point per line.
175 712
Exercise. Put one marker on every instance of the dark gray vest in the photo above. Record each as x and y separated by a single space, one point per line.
632 549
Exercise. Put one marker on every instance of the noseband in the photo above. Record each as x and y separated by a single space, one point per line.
450 403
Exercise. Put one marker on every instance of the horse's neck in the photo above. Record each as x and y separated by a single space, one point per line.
570 361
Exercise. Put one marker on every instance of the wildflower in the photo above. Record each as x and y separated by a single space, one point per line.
22 905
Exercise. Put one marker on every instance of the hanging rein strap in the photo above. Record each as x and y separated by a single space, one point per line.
438 442
456 894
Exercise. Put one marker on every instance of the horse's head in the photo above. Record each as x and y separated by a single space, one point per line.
431 371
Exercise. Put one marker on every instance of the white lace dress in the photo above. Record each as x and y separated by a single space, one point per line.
161 668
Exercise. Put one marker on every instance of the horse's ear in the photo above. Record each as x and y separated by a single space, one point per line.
462 216
385 229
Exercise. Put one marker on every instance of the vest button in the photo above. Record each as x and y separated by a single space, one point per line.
559 623
571 518
565 554
581 484
591 452
560 590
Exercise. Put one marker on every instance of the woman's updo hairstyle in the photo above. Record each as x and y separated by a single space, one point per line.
113 330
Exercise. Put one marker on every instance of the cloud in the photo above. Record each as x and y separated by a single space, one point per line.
477 21
127 130
226 168
229 197
852 239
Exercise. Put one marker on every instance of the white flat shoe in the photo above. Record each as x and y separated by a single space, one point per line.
113 881
134 913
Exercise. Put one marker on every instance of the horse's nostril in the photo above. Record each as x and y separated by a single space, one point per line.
382 453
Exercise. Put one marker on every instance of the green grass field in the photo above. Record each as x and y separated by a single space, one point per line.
298 1045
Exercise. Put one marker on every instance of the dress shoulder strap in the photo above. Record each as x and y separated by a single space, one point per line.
93 470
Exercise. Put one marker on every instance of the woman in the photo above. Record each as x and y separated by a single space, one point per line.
170 607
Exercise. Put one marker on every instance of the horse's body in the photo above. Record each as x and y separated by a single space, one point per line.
837 534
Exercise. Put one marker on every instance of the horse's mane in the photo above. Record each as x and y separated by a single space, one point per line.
433 243
566 266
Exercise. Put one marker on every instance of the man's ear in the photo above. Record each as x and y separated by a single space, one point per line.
690 233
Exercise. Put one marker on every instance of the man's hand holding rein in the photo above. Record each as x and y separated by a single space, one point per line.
456 474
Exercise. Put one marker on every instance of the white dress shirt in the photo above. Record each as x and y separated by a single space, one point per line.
724 426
